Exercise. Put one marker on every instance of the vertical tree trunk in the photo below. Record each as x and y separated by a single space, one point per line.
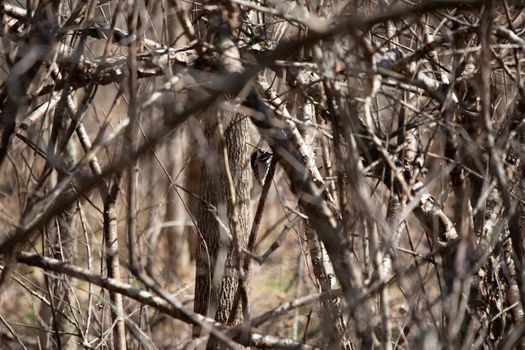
61 235
217 274
330 314
218 263
113 266
178 256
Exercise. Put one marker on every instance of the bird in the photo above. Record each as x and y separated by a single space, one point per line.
389 58
260 162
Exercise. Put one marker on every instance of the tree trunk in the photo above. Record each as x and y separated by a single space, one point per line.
61 240
216 271
113 265
178 255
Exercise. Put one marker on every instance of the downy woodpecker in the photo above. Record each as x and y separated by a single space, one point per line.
260 162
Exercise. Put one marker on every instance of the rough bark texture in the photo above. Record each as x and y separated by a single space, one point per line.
61 239
113 265
217 277
330 313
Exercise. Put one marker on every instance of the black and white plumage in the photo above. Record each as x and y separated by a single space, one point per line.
389 58
260 162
